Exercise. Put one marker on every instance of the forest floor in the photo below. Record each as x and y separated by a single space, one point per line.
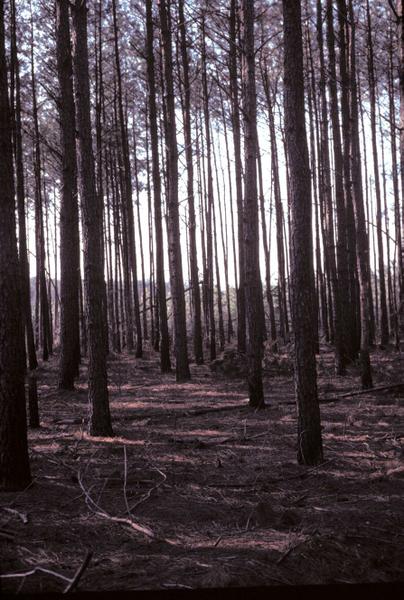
213 486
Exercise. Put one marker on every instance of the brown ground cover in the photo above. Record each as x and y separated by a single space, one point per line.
197 490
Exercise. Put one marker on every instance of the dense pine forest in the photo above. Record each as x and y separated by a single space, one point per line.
201 293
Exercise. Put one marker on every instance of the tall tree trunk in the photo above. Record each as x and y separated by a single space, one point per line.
21 207
342 251
251 226
384 321
235 110
137 190
69 214
127 197
397 219
320 309
309 426
42 299
196 294
326 192
165 363
279 216
362 242
92 209
401 75
209 201
14 462
174 245
266 245
353 328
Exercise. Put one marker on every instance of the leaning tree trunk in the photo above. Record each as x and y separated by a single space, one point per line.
14 462
69 214
251 228
310 450
92 208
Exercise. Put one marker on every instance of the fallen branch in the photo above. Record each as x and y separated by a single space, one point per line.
97 510
150 491
78 575
5 533
22 516
72 582
288 551
33 571
204 411
379 388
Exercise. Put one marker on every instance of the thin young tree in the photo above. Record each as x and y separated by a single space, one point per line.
310 450
14 462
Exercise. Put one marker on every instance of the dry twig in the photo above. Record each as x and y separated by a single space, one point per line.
79 573
96 509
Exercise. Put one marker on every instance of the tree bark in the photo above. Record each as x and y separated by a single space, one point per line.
353 320
165 364
196 294
235 110
326 192
92 217
309 426
69 214
174 245
251 225
14 462
21 206
384 321
42 293
362 242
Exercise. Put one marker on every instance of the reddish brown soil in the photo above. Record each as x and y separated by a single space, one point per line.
219 489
